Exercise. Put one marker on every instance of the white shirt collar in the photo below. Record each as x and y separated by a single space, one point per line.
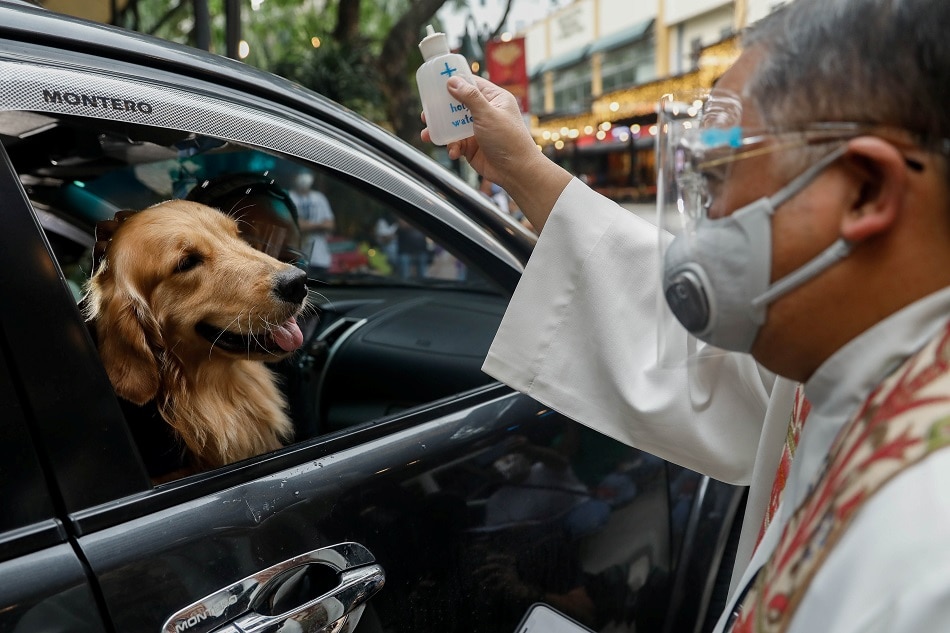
844 381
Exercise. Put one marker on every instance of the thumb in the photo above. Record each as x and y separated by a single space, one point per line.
468 94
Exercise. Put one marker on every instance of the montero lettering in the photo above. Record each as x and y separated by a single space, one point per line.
184 625
96 101
215 610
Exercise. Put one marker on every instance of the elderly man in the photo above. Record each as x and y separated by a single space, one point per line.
820 244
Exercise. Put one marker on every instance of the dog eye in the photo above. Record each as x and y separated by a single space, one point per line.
188 262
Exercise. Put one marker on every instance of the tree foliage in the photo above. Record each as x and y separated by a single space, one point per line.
362 54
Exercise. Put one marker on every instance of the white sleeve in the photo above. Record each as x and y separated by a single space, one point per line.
580 336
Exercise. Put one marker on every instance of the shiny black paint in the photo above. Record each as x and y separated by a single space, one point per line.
426 539
44 333
48 591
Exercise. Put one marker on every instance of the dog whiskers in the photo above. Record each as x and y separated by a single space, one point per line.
220 334
251 337
235 210
311 310
268 329
322 296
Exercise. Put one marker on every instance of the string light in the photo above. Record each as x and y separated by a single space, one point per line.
639 101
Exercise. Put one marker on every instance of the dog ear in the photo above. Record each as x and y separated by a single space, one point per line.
122 321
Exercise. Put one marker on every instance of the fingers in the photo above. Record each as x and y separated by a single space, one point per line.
464 148
424 134
470 96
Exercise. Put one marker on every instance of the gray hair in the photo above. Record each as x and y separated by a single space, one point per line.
881 62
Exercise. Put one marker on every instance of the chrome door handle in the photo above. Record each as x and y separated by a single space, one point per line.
325 613
235 609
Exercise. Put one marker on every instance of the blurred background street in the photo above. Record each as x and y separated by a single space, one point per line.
587 73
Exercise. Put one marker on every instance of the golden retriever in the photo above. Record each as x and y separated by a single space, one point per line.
185 312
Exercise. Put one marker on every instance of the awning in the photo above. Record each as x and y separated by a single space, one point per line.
624 36
562 61
605 147
614 40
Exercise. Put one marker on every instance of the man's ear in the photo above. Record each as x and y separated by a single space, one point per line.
880 178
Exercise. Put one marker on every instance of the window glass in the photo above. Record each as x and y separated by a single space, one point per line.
628 65
572 89
395 318
87 180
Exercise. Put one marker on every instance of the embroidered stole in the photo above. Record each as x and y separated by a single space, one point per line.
800 410
905 419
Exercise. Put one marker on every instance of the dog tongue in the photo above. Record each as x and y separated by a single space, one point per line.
288 335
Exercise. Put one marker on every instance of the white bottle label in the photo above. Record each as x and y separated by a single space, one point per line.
447 119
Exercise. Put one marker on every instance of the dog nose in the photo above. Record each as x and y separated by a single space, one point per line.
290 284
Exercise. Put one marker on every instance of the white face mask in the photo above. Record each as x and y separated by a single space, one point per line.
716 279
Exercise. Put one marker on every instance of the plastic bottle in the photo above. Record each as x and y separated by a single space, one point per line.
447 119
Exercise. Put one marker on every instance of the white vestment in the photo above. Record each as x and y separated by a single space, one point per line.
580 336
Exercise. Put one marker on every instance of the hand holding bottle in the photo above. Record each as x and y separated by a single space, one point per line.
448 119
503 150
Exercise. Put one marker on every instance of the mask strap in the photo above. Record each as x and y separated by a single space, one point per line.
837 251
831 255
804 179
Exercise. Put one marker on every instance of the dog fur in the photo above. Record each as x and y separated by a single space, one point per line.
185 314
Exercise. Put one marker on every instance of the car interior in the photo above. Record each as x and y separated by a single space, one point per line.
384 335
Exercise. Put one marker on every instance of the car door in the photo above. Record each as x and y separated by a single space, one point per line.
34 546
418 495
234 547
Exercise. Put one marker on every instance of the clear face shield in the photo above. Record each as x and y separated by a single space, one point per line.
697 134
716 269
688 125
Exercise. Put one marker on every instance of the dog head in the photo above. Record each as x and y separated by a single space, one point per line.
177 281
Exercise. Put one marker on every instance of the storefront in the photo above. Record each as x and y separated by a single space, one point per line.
612 144
619 161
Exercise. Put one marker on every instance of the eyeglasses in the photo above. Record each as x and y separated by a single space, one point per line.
704 156
736 143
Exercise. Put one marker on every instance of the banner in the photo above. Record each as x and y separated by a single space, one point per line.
506 67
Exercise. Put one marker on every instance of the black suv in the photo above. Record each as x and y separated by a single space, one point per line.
396 508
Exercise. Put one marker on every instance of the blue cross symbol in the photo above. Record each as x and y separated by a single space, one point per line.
448 71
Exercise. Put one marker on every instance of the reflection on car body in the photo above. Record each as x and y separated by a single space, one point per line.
398 433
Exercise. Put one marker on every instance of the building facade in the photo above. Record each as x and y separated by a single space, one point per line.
597 68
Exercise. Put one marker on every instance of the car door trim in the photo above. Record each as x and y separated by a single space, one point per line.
69 89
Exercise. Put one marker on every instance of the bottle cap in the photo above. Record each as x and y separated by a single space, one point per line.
433 44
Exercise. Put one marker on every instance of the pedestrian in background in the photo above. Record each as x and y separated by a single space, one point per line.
413 251
317 222
494 193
